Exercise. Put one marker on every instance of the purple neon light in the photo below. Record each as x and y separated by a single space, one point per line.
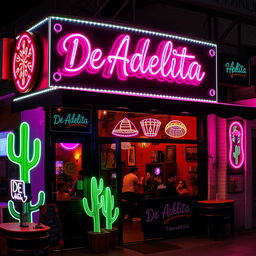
69 146
212 52
168 64
57 27
241 144
212 92
157 171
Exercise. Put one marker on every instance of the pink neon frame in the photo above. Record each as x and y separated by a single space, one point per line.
168 64
241 160
29 80
69 146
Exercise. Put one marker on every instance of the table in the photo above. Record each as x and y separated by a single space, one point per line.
215 214
16 240
3 205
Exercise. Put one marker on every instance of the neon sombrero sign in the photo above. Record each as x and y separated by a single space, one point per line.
109 58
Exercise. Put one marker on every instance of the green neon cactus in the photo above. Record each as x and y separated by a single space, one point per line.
236 153
26 164
108 203
96 204
29 208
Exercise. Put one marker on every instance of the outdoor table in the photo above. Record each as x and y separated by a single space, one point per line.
215 214
16 240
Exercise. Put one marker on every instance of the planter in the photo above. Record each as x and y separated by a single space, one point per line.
99 242
113 233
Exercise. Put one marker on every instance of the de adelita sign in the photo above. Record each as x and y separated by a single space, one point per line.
108 58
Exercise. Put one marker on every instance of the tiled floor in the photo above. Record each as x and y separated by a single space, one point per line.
241 245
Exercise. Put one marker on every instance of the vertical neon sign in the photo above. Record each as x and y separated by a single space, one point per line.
27 161
236 144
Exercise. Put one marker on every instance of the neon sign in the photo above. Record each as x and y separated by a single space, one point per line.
175 129
69 146
26 161
236 144
130 61
167 64
18 192
235 69
150 126
101 199
25 62
125 128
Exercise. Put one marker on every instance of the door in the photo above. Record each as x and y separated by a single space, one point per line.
110 171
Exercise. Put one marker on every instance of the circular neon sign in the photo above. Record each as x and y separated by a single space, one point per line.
25 62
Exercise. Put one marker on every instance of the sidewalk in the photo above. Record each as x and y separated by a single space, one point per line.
241 245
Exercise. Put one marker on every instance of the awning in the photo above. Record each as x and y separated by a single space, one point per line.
133 104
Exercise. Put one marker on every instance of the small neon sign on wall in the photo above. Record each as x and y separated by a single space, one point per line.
236 144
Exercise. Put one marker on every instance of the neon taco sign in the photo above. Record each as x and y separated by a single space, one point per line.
117 59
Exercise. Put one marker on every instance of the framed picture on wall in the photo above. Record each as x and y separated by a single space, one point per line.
191 153
131 156
108 159
170 154
235 183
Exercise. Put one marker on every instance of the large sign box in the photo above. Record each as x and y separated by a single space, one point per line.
110 58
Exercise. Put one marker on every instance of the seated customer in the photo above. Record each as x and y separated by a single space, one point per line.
149 183
167 189
182 188
61 195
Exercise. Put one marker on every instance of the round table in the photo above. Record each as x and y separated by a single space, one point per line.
16 240
215 214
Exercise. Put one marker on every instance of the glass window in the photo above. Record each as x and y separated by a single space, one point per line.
139 125
69 173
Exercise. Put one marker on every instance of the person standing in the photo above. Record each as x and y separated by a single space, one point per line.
130 184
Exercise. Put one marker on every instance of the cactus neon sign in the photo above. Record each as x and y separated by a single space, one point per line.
236 145
26 163
101 199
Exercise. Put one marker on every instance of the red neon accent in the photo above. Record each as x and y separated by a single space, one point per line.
6 59
168 64
25 62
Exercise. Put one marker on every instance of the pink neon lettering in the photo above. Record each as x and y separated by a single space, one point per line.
168 64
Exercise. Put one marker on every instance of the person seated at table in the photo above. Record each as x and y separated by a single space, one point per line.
182 188
149 183
158 179
61 195
168 189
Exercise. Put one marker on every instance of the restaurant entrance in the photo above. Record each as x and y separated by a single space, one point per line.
154 162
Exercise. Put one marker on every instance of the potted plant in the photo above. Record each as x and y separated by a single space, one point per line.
98 239
108 205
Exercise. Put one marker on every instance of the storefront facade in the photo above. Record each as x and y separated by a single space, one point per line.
104 98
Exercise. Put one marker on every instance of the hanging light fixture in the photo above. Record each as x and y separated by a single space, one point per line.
175 129
125 128
69 146
150 126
